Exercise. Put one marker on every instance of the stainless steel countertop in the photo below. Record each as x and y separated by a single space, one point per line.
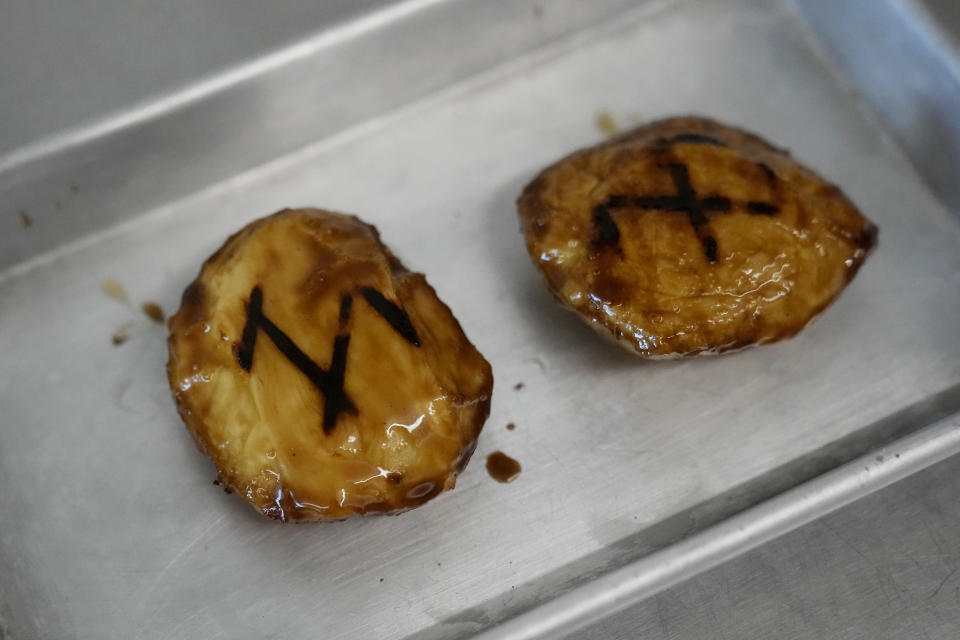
884 567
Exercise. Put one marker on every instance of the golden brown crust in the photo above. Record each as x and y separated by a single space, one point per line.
687 236
253 353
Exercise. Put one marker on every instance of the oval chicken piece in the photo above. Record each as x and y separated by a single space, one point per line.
322 377
687 236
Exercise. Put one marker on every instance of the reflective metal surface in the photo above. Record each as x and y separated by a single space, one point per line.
71 64
698 553
112 528
145 155
907 70
883 567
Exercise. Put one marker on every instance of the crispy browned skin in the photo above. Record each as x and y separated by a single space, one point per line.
285 309
686 236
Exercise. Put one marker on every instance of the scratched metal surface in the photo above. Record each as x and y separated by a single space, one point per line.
111 527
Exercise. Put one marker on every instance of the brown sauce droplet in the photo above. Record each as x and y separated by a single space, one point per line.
119 336
511 426
25 220
518 386
502 467
606 124
154 311
114 289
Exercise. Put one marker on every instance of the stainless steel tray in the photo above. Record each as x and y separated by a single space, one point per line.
635 474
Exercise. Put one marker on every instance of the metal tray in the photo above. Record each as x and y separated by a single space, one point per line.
636 474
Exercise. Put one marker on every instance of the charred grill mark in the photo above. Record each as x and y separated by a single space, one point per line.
696 138
767 172
653 202
346 304
687 138
329 383
338 400
607 234
762 208
716 203
395 316
250 329
685 200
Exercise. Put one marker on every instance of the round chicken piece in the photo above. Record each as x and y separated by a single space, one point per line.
322 377
687 236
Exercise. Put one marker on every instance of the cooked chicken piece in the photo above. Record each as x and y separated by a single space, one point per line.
686 237
322 377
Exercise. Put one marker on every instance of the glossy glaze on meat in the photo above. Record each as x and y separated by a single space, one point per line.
322 377
686 236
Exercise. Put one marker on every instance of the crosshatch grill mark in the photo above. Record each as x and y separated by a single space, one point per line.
684 200
329 382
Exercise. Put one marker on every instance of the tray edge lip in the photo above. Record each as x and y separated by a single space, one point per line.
763 522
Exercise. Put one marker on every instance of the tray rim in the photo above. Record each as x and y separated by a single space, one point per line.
734 536
737 534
